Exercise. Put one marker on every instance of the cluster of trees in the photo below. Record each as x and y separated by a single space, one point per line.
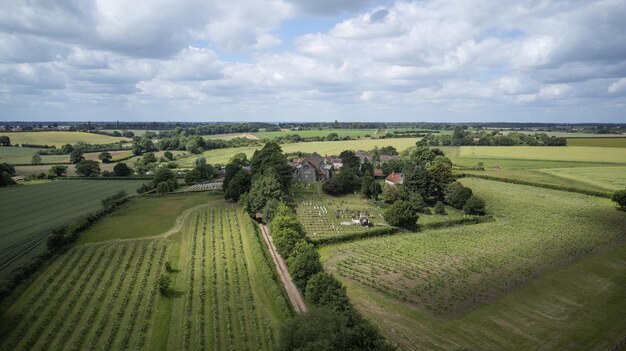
6 172
332 322
462 137
164 181
351 176
428 180
201 172
5 140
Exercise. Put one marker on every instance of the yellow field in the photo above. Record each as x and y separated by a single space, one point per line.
59 138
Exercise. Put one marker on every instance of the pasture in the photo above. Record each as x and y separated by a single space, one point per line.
222 156
60 138
597 142
446 273
23 155
544 153
609 178
29 213
223 296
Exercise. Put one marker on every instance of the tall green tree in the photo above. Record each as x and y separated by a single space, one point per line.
58 170
36 159
263 189
88 168
350 161
271 157
105 157
5 140
76 156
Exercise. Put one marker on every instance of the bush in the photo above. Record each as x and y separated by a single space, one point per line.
475 206
323 290
88 168
303 263
285 241
163 282
401 214
620 199
440 209
456 194
122 170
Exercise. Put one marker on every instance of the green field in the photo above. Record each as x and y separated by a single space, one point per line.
609 178
129 222
60 138
321 147
103 296
445 273
597 142
544 153
29 213
24 155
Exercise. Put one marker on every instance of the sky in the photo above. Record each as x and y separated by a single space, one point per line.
303 60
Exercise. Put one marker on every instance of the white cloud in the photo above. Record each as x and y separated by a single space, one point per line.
617 86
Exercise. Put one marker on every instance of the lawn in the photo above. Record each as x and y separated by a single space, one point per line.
597 142
60 138
224 295
321 147
29 213
442 276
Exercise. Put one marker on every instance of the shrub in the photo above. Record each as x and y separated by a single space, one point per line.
456 194
440 209
122 170
163 282
303 263
475 206
620 199
88 168
401 214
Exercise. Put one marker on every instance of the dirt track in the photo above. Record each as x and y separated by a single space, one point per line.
294 294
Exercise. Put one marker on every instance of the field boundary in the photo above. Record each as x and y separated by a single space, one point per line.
296 299
539 185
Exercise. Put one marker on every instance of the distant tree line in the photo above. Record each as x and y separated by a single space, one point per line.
461 137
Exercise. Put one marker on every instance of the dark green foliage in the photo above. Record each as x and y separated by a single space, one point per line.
5 140
417 202
271 158
343 183
105 157
193 177
163 282
401 214
262 190
67 148
168 155
369 233
366 186
367 169
76 156
456 195
620 199
269 210
375 190
239 185
323 290
418 179
303 263
285 241
122 170
5 179
58 170
440 209
36 159
87 168
150 157
391 194
162 188
206 171
350 161
475 206
5 167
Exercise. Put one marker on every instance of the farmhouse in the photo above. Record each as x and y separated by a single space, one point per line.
394 179
311 168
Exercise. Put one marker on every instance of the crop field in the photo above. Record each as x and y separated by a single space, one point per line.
321 147
23 155
611 178
352 133
455 269
115 154
103 295
60 138
556 153
29 213
598 142
445 273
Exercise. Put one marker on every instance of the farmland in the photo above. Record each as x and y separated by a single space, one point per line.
352 133
23 155
29 213
444 273
60 138
103 295
598 142
321 147
608 178
541 153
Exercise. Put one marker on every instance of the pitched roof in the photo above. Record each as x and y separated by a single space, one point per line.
394 177
378 173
